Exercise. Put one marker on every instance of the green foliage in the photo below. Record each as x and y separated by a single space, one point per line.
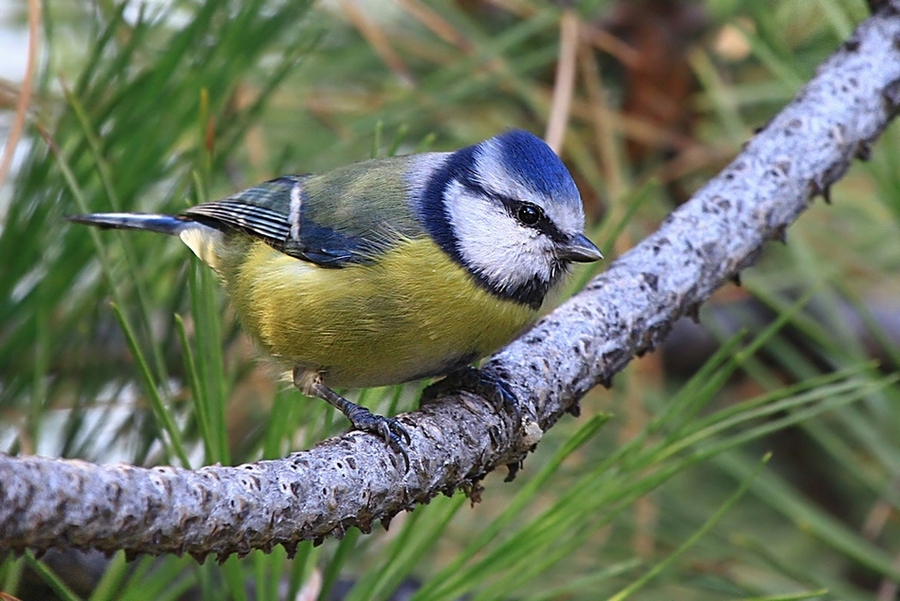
121 346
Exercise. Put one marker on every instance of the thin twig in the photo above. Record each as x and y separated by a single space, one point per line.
564 84
34 21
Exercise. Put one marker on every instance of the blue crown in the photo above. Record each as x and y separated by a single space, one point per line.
533 163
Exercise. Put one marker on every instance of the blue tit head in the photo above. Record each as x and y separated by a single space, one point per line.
508 210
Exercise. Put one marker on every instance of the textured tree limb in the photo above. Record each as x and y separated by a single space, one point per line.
351 480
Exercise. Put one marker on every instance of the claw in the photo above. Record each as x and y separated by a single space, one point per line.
389 429
482 383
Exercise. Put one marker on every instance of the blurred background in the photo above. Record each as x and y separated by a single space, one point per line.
755 456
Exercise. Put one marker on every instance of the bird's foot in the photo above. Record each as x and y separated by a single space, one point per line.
482 383
389 429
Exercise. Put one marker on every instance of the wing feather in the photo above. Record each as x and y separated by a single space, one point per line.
254 220
325 220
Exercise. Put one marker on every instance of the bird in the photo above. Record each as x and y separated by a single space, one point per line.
392 269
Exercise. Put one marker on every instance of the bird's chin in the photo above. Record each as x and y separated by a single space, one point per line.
559 271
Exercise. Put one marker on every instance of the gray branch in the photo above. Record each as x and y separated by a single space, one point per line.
351 480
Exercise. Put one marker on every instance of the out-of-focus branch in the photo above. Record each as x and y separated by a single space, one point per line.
351 480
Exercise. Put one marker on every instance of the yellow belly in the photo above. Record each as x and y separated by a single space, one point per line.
413 314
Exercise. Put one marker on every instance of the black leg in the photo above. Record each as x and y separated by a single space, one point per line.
387 428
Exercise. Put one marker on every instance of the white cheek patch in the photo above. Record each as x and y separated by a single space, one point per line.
495 245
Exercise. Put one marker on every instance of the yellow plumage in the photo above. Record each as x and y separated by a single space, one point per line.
413 313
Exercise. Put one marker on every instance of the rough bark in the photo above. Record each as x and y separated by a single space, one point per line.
352 480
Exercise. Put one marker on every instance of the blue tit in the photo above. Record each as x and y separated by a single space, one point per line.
392 269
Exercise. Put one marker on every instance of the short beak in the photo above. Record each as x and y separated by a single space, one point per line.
580 250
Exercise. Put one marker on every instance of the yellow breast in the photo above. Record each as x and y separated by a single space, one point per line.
412 314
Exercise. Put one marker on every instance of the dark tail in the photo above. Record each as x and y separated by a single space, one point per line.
164 224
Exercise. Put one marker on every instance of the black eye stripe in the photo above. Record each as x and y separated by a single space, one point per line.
543 224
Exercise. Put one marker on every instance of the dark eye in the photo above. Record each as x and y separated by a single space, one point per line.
528 214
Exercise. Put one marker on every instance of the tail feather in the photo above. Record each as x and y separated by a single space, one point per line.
202 239
164 224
